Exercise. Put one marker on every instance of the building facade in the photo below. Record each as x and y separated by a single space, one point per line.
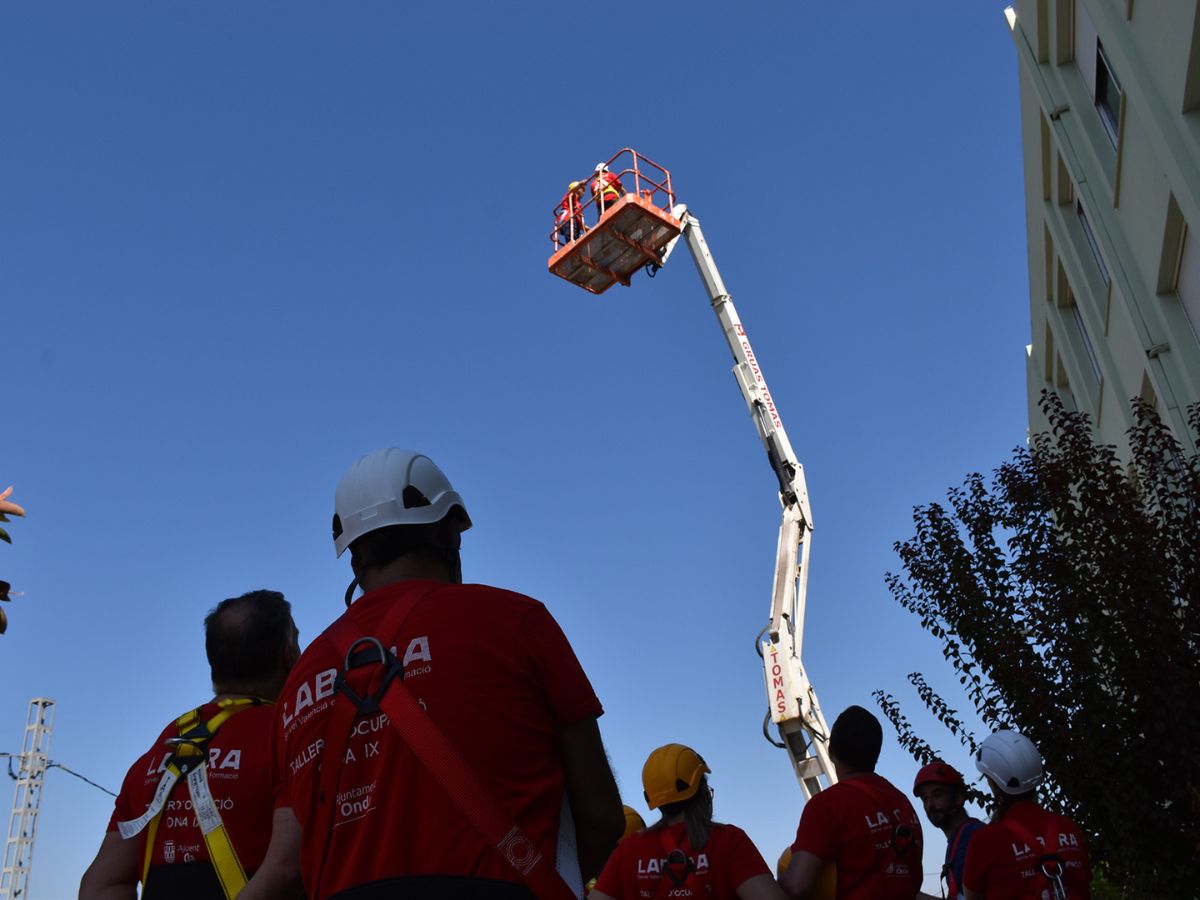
1110 123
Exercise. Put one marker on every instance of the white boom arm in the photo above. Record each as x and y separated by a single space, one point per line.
791 697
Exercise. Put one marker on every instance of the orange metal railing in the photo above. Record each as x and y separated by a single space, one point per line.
650 181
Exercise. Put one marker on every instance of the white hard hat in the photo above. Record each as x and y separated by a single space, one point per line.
600 167
391 487
1011 761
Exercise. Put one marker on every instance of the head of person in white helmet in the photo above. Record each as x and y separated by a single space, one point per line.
1025 850
400 518
1012 766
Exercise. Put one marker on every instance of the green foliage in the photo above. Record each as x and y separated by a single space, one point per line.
1066 595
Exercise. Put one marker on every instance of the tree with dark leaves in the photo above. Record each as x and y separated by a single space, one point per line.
1065 592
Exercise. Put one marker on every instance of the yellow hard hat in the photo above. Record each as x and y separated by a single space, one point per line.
633 822
575 186
672 773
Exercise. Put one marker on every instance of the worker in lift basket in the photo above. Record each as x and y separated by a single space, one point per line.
862 824
685 853
606 188
1025 851
570 214
156 838
439 740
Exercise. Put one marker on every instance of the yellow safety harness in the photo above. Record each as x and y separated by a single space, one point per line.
191 759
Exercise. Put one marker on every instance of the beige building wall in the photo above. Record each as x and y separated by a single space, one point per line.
1110 123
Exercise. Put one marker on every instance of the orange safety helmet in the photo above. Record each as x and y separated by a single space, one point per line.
672 773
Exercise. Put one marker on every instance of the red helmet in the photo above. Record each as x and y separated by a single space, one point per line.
939 773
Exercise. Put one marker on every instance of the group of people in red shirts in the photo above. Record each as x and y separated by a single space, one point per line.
606 189
440 740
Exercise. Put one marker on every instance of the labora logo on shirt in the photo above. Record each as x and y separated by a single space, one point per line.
655 865
317 689
1022 849
230 758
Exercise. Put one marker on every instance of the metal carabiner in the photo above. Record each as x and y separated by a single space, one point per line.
392 669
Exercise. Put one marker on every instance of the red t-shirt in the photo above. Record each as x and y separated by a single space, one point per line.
570 208
609 185
640 868
239 778
1004 865
495 673
849 827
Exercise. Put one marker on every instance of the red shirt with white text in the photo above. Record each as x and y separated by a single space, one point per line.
239 778
496 675
849 827
1004 864
641 865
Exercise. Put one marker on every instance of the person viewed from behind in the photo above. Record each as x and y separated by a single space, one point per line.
685 853
1025 851
943 793
516 789
862 825
606 188
221 746
569 220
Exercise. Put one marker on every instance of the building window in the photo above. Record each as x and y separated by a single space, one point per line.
1087 342
1187 281
1091 239
1108 94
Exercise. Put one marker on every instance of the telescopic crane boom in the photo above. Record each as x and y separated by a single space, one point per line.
790 694
632 229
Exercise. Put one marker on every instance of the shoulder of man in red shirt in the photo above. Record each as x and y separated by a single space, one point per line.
495 674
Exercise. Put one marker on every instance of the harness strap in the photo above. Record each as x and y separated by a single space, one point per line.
439 757
221 854
672 854
952 884
190 759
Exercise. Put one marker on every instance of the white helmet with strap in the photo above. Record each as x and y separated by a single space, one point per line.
1011 761
392 487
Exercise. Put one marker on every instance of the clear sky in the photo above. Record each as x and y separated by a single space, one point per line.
243 244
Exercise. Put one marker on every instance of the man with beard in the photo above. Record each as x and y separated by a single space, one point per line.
943 793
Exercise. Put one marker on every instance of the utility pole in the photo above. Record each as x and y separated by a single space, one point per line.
27 799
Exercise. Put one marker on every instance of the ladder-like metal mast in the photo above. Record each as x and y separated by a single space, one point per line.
27 799
791 697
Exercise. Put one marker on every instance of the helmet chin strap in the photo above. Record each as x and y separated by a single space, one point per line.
450 556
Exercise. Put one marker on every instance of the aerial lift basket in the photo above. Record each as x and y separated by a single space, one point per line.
625 235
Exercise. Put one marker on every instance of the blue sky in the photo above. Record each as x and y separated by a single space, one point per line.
245 243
